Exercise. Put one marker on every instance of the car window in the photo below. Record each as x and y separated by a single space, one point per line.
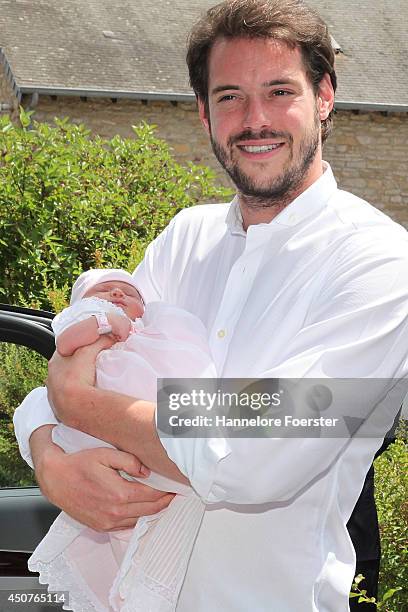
21 369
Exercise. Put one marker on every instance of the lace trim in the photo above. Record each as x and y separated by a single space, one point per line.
148 595
150 576
60 535
60 575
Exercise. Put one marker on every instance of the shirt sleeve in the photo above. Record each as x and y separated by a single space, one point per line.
356 327
153 271
34 412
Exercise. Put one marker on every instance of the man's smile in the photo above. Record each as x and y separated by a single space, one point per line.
260 149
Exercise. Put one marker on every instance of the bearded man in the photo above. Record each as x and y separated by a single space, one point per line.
293 278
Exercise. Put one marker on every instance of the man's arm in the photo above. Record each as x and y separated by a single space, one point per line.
84 472
358 328
34 412
86 484
107 501
126 422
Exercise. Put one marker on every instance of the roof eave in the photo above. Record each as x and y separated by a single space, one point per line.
9 75
102 93
379 107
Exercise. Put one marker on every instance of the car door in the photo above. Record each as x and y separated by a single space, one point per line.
25 515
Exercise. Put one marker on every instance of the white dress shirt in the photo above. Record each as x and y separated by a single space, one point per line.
320 291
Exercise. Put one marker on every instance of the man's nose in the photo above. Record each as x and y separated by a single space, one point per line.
256 115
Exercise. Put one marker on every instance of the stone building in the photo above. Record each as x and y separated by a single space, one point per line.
110 65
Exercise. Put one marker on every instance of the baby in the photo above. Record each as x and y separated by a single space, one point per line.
161 341
118 305
121 570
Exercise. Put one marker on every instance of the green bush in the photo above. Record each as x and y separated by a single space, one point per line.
69 202
21 369
391 492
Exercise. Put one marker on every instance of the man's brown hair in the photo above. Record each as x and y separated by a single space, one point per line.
289 21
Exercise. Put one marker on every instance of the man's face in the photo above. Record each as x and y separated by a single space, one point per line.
264 117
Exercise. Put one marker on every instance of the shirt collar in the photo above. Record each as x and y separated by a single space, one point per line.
308 203
234 218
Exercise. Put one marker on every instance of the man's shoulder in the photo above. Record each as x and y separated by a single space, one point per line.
364 238
361 217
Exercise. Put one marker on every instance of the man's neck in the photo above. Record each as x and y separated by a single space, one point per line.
255 216
255 210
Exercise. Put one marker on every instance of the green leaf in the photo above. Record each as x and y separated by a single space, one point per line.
390 593
25 117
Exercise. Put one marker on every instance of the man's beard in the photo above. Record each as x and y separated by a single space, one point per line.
282 189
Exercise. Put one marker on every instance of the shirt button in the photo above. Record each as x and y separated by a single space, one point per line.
221 333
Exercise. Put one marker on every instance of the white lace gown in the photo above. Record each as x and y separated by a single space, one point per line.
140 569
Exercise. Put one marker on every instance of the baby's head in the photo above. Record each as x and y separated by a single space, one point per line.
116 286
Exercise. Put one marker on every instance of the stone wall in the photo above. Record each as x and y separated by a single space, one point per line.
369 155
7 97
177 123
368 151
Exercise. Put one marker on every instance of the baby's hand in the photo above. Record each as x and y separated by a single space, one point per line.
121 326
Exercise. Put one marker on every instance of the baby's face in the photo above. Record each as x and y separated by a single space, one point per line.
120 293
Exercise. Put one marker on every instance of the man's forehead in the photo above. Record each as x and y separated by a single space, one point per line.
267 56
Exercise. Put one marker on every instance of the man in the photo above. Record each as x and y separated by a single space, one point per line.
294 278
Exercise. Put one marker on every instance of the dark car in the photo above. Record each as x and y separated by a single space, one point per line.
25 515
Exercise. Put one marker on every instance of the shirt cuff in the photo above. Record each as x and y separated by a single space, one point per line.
198 459
34 412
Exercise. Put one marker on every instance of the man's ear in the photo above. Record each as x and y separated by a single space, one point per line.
202 111
325 97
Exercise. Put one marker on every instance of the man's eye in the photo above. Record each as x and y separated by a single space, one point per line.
227 98
280 92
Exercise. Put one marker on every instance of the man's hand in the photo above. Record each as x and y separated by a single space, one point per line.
87 486
128 423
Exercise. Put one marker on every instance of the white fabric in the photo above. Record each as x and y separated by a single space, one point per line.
148 569
321 291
